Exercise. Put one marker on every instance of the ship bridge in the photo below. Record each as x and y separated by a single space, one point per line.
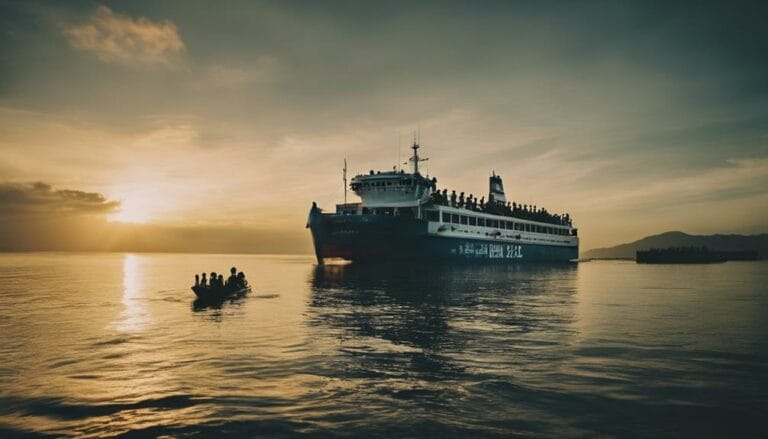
394 188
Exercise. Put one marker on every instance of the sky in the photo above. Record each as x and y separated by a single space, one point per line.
212 126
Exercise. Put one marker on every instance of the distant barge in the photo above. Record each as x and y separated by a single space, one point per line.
691 255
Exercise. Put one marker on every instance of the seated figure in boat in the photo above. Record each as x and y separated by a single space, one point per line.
232 279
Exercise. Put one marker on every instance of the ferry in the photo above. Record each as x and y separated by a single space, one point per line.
403 216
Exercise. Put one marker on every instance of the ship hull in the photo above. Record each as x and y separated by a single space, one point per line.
381 238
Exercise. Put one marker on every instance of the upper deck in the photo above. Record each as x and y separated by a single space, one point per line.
413 196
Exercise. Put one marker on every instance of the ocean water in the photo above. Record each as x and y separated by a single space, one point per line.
113 344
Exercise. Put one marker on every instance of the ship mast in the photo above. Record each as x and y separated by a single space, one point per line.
415 159
345 180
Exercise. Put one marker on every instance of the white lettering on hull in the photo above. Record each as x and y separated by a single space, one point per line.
490 251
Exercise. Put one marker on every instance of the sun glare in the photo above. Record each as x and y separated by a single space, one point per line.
132 212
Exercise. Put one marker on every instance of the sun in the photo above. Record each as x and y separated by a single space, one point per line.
133 211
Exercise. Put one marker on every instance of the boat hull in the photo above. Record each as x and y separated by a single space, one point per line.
208 294
382 238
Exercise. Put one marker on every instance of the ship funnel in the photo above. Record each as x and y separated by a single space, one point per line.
496 189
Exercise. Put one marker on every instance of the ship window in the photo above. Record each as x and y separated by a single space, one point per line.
493 223
510 226
527 227
550 231
472 221
481 222
432 215
389 183
454 218
464 220
518 226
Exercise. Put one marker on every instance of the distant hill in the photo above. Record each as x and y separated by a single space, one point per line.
758 243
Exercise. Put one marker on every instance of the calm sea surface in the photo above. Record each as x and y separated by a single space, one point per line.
112 344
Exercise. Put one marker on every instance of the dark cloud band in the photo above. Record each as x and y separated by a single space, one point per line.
19 199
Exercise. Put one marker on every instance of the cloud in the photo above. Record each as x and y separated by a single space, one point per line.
41 199
735 179
120 38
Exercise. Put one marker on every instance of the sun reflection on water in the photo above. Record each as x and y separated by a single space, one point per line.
134 316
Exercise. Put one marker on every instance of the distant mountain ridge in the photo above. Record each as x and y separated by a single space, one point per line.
759 243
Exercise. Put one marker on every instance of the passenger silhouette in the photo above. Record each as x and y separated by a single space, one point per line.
203 281
232 280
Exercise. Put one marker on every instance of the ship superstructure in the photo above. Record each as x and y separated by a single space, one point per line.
404 216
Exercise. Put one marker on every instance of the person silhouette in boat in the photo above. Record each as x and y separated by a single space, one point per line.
241 282
214 278
232 279
203 281
220 283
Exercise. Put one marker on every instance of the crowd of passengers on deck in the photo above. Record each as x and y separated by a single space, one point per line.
511 209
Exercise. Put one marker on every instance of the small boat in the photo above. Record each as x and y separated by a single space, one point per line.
213 294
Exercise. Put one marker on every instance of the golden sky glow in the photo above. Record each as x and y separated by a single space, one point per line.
228 122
